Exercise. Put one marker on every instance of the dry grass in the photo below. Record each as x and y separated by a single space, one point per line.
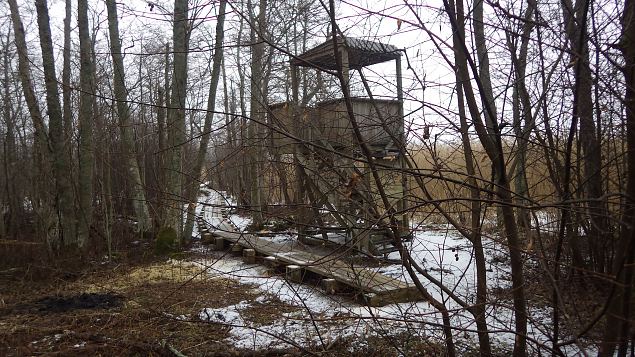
157 307
161 303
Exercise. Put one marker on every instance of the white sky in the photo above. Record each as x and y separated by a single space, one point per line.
375 20
136 22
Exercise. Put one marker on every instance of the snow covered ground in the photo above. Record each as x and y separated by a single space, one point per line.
322 319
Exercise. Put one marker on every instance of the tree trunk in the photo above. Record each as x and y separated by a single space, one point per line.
12 192
42 152
163 155
244 170
66 80
480 307
86 124
193 190
521 108
492 143
125 126
619 320
575 20
176 118
61 165
256 105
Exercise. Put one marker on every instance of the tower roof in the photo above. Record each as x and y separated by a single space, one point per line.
361 53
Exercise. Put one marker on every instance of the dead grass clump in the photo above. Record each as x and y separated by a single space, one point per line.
104 332
165 271
403 344
188 299
266 313
159 311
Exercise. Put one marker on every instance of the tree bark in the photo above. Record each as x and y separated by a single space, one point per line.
480 308
575 22
256 110
125 126
13 196
176 117
61 165
193 190
619 320
492 143
86 123
521 108
66 80
47 218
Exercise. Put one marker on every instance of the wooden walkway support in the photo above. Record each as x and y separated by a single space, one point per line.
377 289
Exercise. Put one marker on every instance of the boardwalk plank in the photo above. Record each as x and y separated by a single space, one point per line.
383 289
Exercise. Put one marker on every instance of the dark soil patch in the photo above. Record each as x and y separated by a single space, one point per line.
81 301
114 309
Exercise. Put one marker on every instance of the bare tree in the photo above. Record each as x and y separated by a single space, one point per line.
176 118
61 165
86 124
201 156
618 320
490 137
125 126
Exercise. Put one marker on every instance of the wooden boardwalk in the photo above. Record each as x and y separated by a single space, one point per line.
375 288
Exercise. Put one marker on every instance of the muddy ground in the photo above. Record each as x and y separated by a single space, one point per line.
140 305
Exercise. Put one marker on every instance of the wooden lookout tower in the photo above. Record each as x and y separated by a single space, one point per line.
335 188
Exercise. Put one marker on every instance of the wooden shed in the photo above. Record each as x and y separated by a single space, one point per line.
378 126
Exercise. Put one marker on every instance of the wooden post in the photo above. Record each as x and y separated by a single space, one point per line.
207 238
403 205
294 273
237 248
343 51
372 299
249 256
271 262
330 286
361 239
219 243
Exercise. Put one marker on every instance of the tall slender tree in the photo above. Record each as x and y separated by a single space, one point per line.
86 124
125 125
619 323
201 155
66 78
176 117
575 16
256 109
61 164
491 139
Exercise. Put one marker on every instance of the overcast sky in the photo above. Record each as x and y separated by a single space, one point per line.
384 21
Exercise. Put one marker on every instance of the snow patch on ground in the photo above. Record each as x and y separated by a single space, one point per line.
322 319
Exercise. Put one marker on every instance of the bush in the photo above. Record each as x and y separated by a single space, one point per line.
166 241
